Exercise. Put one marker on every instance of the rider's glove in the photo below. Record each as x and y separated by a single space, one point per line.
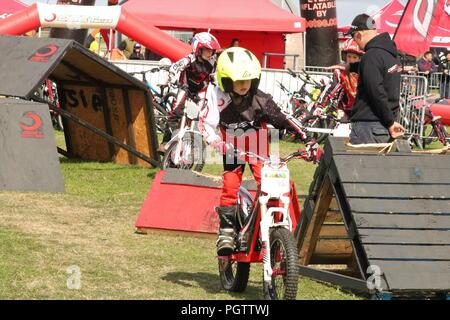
318 112
221 146
313 151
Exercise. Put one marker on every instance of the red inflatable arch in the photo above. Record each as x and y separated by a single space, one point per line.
103 17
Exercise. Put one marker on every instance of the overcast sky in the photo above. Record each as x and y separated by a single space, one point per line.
346 9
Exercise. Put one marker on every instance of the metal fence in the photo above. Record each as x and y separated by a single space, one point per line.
413 94
413 91
438 84
434 80
270 78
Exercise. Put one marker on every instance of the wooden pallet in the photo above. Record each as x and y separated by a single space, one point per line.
395 211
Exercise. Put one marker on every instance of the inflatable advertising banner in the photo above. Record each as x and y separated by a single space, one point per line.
322 47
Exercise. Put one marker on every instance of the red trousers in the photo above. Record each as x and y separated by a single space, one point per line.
232 179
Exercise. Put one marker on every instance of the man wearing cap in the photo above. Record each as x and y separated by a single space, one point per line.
376 106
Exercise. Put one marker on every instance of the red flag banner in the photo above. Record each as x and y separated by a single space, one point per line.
418 25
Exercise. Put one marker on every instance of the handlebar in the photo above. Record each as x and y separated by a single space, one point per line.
305 77
143 72
302 154
292 73
282 87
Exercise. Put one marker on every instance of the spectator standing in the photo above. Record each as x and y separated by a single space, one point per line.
234 43
137 55
127 47
426 64
377 100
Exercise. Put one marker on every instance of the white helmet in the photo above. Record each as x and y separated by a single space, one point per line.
204 40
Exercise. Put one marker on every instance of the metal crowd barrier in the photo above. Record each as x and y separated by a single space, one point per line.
268 84
270 79
413 90
413 94
434 80
138 66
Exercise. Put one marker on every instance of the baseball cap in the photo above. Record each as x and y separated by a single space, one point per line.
361 22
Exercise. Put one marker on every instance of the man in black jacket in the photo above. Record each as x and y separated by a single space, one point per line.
376 106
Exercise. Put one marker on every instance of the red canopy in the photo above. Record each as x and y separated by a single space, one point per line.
8 7
248 15
258 24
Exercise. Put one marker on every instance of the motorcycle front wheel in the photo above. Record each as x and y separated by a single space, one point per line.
193 150
284 263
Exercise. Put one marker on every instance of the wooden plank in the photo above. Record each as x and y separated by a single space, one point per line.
410 169
129 123
392 161
312 234
335 246
305 218
399 221
119 125
407 252
418 206
332 252
415 275
396 236
335 231
385 190
139 120
333 217
331 258
335 145
87 104
333 203
107 118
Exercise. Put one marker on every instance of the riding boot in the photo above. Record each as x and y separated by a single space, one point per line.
227 232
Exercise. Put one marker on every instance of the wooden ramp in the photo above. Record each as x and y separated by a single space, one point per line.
384 218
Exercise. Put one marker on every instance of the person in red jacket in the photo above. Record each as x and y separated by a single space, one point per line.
241 113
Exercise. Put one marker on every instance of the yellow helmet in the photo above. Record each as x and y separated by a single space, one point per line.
237 64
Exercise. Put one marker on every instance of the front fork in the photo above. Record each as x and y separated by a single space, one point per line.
180 152
180 135
267 221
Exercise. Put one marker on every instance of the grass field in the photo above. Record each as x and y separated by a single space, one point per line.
91 226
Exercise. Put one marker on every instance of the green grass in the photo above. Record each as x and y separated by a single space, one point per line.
91 226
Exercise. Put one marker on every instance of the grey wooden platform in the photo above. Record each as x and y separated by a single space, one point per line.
395 209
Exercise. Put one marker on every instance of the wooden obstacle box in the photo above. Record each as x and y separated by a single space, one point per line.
378 223
107 114
28 157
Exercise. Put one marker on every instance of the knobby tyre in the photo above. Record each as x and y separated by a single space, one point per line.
233 275
193 152
284 263
169 101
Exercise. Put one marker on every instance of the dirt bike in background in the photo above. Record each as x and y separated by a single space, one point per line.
297 103
323 123
437 132
265 234
48 93
163 98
